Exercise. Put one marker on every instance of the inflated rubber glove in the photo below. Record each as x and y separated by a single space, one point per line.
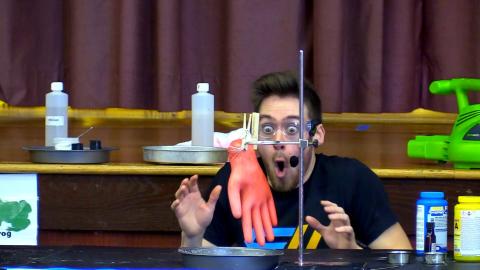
249 194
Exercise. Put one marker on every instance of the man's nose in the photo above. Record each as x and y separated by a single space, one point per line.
279 136
279 146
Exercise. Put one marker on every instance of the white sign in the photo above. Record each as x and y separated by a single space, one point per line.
18 209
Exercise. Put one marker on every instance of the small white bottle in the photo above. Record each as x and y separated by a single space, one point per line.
56 113
202 116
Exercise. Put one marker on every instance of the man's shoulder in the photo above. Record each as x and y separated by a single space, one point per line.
341 169
332 162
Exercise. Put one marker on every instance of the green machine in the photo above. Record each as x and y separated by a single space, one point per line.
462 147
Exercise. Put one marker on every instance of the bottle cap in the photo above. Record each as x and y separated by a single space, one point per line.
56 86
202 87
432 195
95 145
77 146
469 199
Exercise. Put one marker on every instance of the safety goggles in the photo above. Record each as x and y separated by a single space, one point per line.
289 128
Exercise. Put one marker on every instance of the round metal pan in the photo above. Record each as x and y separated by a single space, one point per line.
43 154
177 154
231 258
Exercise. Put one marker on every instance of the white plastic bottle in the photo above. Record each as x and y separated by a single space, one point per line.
202 116
56 113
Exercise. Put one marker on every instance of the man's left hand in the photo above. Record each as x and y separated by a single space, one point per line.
339 233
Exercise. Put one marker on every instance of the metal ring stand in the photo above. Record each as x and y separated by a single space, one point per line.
303 144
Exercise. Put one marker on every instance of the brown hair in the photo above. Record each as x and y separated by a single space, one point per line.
285 84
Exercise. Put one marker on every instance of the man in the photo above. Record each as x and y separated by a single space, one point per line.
345 204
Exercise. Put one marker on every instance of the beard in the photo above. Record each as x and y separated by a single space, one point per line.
282 177
288 179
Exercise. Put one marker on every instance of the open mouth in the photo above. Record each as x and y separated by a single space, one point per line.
280 169
280 165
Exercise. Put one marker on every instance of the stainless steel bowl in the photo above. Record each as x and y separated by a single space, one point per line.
231 258
177 154
435 257
399 257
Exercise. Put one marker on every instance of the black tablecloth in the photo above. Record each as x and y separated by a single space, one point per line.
112 257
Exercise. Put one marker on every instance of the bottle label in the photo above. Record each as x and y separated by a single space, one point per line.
467 233
420 235
438 215
54 121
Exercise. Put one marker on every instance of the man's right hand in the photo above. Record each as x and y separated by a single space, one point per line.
192 212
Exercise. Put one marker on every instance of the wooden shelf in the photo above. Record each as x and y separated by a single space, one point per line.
210 170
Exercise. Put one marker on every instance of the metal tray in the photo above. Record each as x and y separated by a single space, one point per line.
231 258
44 154
177 154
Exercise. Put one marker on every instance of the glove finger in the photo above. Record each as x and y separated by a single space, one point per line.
257 225
234 198
272 211
267 225
247 225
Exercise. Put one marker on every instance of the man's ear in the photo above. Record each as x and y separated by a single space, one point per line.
319 134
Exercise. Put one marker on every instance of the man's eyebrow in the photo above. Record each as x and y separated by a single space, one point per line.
292 117
265 116
268 117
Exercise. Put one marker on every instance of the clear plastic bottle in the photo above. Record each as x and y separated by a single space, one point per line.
56 113
202 116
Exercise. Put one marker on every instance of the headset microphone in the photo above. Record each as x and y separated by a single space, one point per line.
293 161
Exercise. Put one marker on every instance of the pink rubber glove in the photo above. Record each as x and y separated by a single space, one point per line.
249 194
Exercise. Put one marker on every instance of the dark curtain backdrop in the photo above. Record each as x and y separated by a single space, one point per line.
362 55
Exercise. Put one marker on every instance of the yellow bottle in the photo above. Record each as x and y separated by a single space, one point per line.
466 238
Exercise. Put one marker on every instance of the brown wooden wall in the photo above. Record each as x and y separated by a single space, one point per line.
134 210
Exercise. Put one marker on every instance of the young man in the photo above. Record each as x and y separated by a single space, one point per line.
345 204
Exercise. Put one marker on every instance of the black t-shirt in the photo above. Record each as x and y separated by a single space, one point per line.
344 181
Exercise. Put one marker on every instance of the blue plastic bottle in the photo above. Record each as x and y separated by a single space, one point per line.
431 208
